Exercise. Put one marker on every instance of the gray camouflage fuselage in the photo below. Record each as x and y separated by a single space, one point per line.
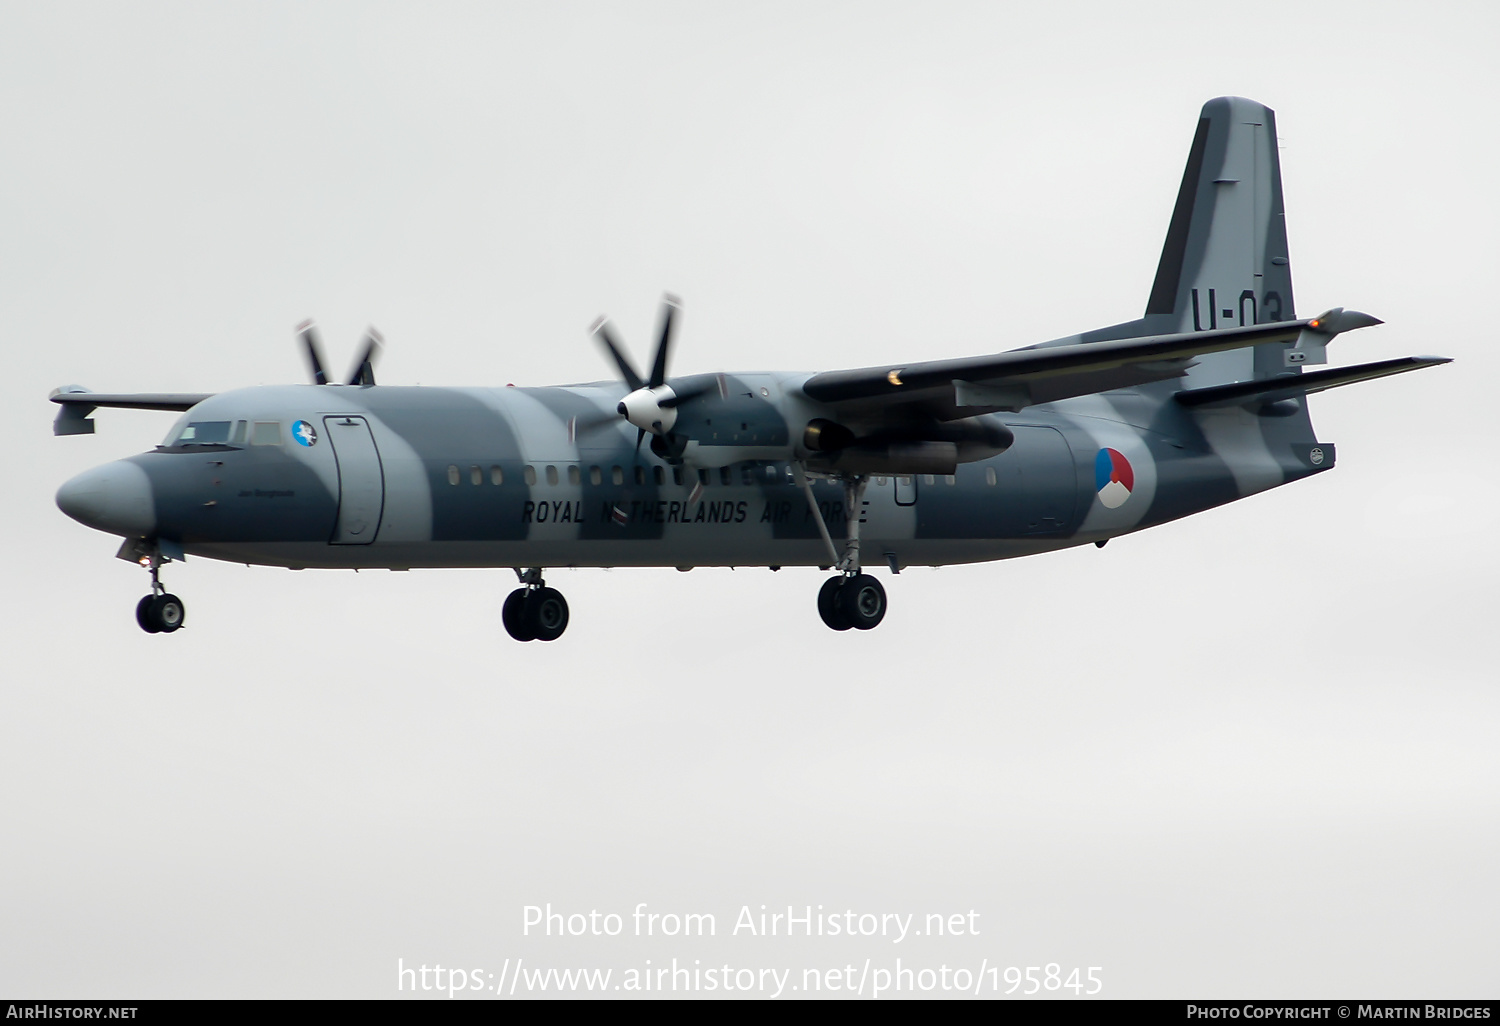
533 490
1201 401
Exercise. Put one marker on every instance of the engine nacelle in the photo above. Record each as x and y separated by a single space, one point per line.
930 449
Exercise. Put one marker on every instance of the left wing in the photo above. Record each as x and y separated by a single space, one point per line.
77 403
952 389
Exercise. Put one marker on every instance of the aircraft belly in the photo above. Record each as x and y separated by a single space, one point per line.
726 552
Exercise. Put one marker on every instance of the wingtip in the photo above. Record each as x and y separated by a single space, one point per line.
66 390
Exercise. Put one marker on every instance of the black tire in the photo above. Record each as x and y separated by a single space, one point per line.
829 607
513 616
547 614
166 613
862 602
143 615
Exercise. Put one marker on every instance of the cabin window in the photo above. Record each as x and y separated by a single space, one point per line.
596 476
771 474
928 479
529 474
724 475
640 474
617 475
880 481
951 479
265 432
206 432
452 474
551 474
677 475
989 475
659 474
497 476
573 475
476 476
703 477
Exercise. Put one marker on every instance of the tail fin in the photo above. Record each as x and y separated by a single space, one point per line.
1225 261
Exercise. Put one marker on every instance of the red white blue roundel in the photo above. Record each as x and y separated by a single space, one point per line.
1113 477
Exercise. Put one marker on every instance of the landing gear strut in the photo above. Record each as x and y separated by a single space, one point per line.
534 612
159 612
852 599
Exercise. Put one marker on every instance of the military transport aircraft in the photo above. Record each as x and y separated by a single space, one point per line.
1201 401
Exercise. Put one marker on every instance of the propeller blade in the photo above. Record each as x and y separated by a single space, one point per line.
670 305
602 332
308 333
364 370
640 433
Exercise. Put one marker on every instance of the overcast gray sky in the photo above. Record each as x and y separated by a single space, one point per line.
1249 754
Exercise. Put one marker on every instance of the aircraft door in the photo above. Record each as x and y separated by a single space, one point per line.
906 490
361 480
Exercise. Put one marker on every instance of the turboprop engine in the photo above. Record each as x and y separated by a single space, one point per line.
934 448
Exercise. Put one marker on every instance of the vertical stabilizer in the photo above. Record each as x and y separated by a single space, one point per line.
1225 262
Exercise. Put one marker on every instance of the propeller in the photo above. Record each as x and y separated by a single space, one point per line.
651 404
364 368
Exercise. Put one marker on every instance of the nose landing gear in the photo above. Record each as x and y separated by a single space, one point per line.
159 612
534 612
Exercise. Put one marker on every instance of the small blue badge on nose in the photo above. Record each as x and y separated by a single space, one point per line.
304 433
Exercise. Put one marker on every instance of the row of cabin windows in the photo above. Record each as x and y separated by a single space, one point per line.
749 475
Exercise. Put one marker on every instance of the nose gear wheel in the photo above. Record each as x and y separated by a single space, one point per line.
159 612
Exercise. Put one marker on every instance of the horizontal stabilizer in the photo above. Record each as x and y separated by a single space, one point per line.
1290 386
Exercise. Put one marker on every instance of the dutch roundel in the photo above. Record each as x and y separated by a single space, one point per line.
1113 477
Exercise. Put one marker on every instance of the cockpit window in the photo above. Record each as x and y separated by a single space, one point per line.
204 432
266 432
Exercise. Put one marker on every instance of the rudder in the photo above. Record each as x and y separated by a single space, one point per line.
1225 261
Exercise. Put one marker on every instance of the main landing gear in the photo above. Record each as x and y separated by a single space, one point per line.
159 612
534 612
856 600
852 599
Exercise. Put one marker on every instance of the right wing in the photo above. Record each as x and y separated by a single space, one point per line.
951 389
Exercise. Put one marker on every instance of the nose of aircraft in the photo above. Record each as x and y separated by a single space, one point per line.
115 498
